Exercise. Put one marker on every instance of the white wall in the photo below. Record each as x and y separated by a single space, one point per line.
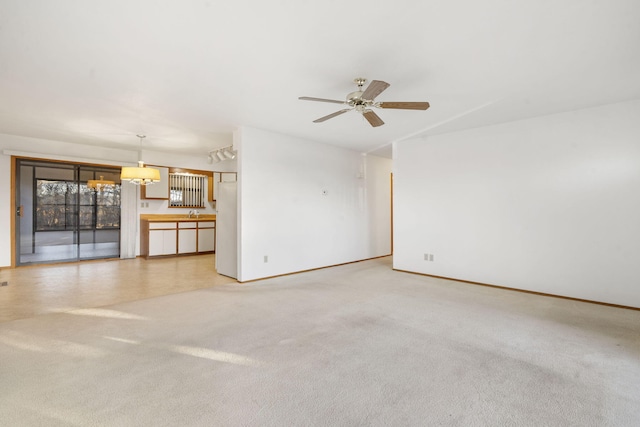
5 211
56 150
285 216
377 175
550 204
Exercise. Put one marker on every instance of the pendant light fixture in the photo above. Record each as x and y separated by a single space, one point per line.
99 184
140 175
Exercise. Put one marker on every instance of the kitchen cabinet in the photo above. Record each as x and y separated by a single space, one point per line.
187 237
180 236
158 190
207 236
162 239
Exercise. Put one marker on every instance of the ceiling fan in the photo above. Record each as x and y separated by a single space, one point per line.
362 101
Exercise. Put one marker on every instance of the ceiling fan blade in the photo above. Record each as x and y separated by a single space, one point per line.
332 115
373 119
375 88
309 98
405 105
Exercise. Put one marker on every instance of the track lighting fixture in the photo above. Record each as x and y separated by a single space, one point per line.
221 154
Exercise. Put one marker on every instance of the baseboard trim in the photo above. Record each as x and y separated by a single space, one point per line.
312 269
628 307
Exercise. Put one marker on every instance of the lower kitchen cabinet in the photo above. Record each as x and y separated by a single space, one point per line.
207 236
162 242
187 237
170 238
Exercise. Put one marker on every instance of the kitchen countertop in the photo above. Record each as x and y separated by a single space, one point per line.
177 218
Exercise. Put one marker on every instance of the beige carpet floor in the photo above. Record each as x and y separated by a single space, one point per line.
354 345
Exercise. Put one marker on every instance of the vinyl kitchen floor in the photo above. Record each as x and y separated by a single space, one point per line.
32 291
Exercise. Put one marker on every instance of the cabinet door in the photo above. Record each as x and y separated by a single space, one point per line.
158 190
187 241
162 242
206 239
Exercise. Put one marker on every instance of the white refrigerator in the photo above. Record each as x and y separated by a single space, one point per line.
227 229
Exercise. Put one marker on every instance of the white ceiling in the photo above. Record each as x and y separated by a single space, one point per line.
187 73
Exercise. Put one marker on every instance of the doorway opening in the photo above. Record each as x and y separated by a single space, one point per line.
60 218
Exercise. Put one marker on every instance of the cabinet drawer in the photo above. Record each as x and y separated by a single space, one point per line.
162 225
187 224
207 224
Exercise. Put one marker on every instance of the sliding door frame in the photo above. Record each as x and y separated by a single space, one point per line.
15 203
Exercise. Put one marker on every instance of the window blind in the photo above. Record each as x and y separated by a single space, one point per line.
187 190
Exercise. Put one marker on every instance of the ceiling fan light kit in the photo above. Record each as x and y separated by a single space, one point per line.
362 102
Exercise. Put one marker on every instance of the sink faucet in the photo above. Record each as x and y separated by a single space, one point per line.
193 212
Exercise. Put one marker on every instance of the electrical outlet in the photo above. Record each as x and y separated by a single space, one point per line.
142 204
266 258
428 257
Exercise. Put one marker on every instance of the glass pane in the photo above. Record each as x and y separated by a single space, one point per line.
51 217
51 192
186 190
108 196
58 173
87 196
176 197
86 217
108 217
100 217
71 215
71 196
62 219
86 175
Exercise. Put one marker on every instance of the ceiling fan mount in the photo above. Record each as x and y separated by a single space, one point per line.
362 101
360 81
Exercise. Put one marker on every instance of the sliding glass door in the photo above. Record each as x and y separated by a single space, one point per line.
60 217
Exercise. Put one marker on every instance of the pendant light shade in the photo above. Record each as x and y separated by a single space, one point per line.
99 184
140 175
